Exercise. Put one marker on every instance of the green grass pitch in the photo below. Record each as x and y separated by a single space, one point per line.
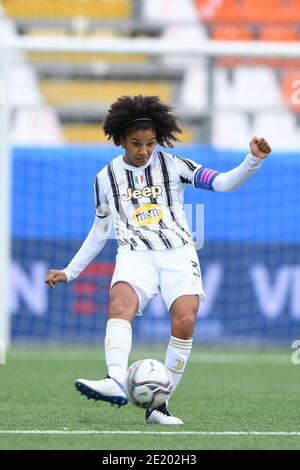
254 394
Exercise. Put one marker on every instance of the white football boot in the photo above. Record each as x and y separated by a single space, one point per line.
161 415
107 389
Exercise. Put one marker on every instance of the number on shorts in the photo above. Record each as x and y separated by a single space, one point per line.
195 265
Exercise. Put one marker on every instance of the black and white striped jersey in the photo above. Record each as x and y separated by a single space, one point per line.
146 203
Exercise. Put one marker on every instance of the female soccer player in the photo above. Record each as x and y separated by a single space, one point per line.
141 193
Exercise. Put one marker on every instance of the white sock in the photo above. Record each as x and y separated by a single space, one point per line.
117 347
176 357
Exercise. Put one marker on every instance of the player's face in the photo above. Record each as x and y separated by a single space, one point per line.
139 146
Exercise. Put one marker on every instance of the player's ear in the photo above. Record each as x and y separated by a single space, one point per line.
122 141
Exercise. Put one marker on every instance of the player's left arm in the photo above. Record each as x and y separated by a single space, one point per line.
260 148
233 179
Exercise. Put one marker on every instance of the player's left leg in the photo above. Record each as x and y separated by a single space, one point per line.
182 290
183 316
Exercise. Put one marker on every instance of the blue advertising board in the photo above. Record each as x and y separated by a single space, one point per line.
250 259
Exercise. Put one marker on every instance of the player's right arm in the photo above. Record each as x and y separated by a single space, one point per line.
91 246
54 276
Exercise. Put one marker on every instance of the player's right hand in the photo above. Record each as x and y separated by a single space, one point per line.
54 276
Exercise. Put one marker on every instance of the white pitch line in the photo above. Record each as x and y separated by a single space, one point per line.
237 358
202 357
188 433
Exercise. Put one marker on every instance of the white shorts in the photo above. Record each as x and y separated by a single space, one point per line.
173 272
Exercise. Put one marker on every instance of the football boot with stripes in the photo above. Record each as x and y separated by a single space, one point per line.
161 415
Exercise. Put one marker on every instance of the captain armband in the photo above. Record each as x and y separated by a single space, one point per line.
204 178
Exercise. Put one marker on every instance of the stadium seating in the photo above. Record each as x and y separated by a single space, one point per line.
227 12
230 130
250 89
223 88
244 32
231 32
290 88
71 58
36 126
104 9
256 88
193 93
93 134
92 93
279 127
249 11
277 32
80 86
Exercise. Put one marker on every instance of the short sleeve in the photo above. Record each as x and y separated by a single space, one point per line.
195 174
187 169
101 203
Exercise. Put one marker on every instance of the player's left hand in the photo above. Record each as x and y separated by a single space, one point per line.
260 147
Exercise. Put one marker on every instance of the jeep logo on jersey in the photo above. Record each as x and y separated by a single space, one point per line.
152 191
148 214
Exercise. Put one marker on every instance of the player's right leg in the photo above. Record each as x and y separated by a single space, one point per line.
130 293
124 303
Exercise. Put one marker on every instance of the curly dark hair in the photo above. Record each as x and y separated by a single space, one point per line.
159 116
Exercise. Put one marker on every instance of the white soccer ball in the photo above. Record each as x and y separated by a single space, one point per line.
148 383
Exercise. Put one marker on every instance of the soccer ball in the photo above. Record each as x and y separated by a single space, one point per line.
148 383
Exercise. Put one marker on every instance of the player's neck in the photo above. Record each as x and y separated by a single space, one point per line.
134 164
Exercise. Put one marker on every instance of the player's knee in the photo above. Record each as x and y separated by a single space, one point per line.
183 325
119 308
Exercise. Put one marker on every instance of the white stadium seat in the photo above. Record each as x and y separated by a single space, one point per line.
230 130
279 127
222 89
256 88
